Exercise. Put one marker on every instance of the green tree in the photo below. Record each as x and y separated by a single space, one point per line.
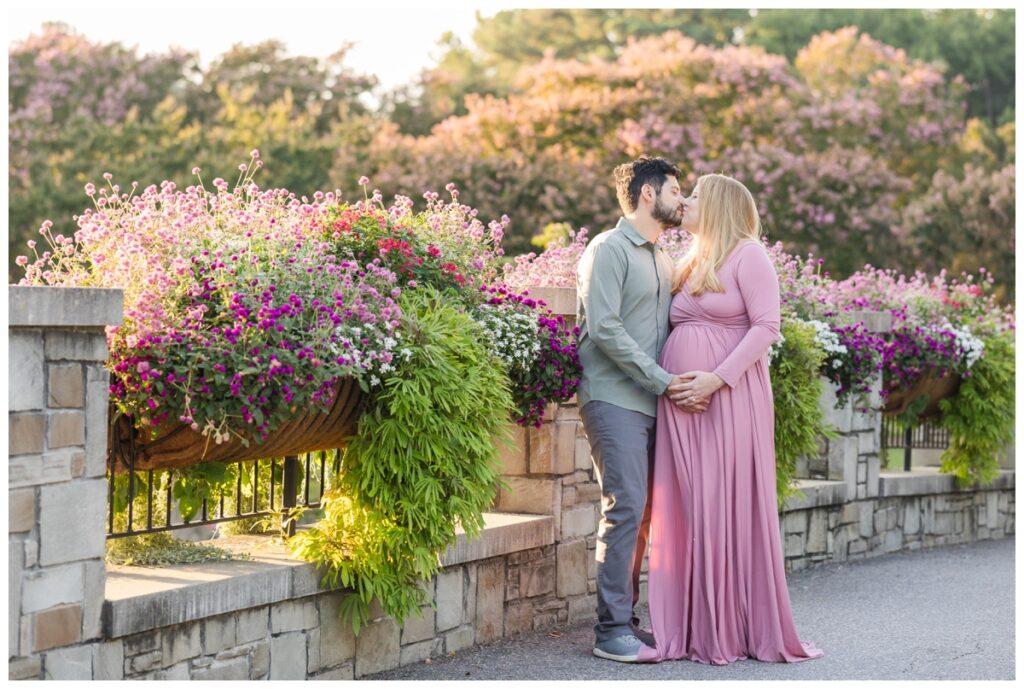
324 87
440 91
976 44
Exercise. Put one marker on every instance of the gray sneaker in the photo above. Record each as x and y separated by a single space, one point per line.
646 637
623 648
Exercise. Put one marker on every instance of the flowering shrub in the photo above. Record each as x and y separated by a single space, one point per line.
237 313
539 350
425 248
554 267
244 305
939 325
834 144
855 367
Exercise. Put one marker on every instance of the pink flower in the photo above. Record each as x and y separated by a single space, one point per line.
364 180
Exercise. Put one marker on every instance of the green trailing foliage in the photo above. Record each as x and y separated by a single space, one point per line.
422 463
797 389
980 417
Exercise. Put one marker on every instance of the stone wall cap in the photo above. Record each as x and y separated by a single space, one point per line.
874 321
561 300
142 598
929 481
67 307
816 493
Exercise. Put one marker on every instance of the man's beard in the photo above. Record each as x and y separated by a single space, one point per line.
666 215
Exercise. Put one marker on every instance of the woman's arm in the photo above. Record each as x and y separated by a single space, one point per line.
759 286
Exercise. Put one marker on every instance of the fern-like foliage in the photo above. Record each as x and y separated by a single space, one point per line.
980 417
422 463
797 388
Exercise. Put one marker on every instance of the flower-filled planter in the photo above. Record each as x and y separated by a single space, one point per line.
932 387
258 324
175 445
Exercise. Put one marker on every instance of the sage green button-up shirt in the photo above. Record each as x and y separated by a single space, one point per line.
623 294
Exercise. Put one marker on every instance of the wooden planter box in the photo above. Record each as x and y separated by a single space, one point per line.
932 387
176 445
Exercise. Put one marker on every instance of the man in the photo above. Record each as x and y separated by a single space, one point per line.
623 285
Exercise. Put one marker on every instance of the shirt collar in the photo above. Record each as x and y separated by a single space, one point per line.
631 232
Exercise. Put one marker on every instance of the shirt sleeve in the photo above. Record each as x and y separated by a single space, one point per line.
600 286
759 287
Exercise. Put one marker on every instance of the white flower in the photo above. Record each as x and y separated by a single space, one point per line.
827 338
776 347
968 347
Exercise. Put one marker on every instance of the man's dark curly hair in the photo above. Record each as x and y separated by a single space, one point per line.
631 177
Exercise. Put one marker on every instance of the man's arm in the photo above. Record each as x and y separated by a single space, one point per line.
600 286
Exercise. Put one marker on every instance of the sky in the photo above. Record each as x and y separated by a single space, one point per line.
391 41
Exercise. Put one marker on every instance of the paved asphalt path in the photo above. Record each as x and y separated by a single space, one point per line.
941 613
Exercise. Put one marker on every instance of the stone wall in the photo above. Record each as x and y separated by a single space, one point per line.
914 510
532 569
549 471
57 408
304 638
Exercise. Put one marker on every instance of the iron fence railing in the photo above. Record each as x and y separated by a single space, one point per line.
141 502
928 435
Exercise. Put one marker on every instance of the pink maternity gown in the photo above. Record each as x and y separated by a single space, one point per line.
716 581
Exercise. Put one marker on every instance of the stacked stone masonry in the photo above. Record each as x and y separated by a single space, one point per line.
850 510
57 402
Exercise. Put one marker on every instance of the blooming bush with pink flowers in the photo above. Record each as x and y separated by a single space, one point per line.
939 323
243 305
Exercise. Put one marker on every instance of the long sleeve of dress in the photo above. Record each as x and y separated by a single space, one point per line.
759 287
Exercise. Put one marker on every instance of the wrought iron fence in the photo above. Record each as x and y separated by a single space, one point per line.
142 502
928 435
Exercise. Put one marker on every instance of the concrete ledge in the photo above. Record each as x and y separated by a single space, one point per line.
928 481
561 300
142 598
69 307
816 494
874 321
503 534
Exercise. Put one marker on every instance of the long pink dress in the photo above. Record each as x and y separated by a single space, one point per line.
716 579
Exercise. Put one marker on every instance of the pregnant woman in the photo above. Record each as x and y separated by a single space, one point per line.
716 580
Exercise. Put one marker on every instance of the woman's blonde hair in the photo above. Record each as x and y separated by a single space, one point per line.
727 216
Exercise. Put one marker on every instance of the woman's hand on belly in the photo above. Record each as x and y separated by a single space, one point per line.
694 385
685 399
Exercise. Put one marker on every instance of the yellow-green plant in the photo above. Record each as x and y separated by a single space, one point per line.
422 463
797 388
980 416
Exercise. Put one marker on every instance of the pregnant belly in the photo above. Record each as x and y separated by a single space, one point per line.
698 347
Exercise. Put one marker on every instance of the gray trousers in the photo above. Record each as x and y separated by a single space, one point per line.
622 447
